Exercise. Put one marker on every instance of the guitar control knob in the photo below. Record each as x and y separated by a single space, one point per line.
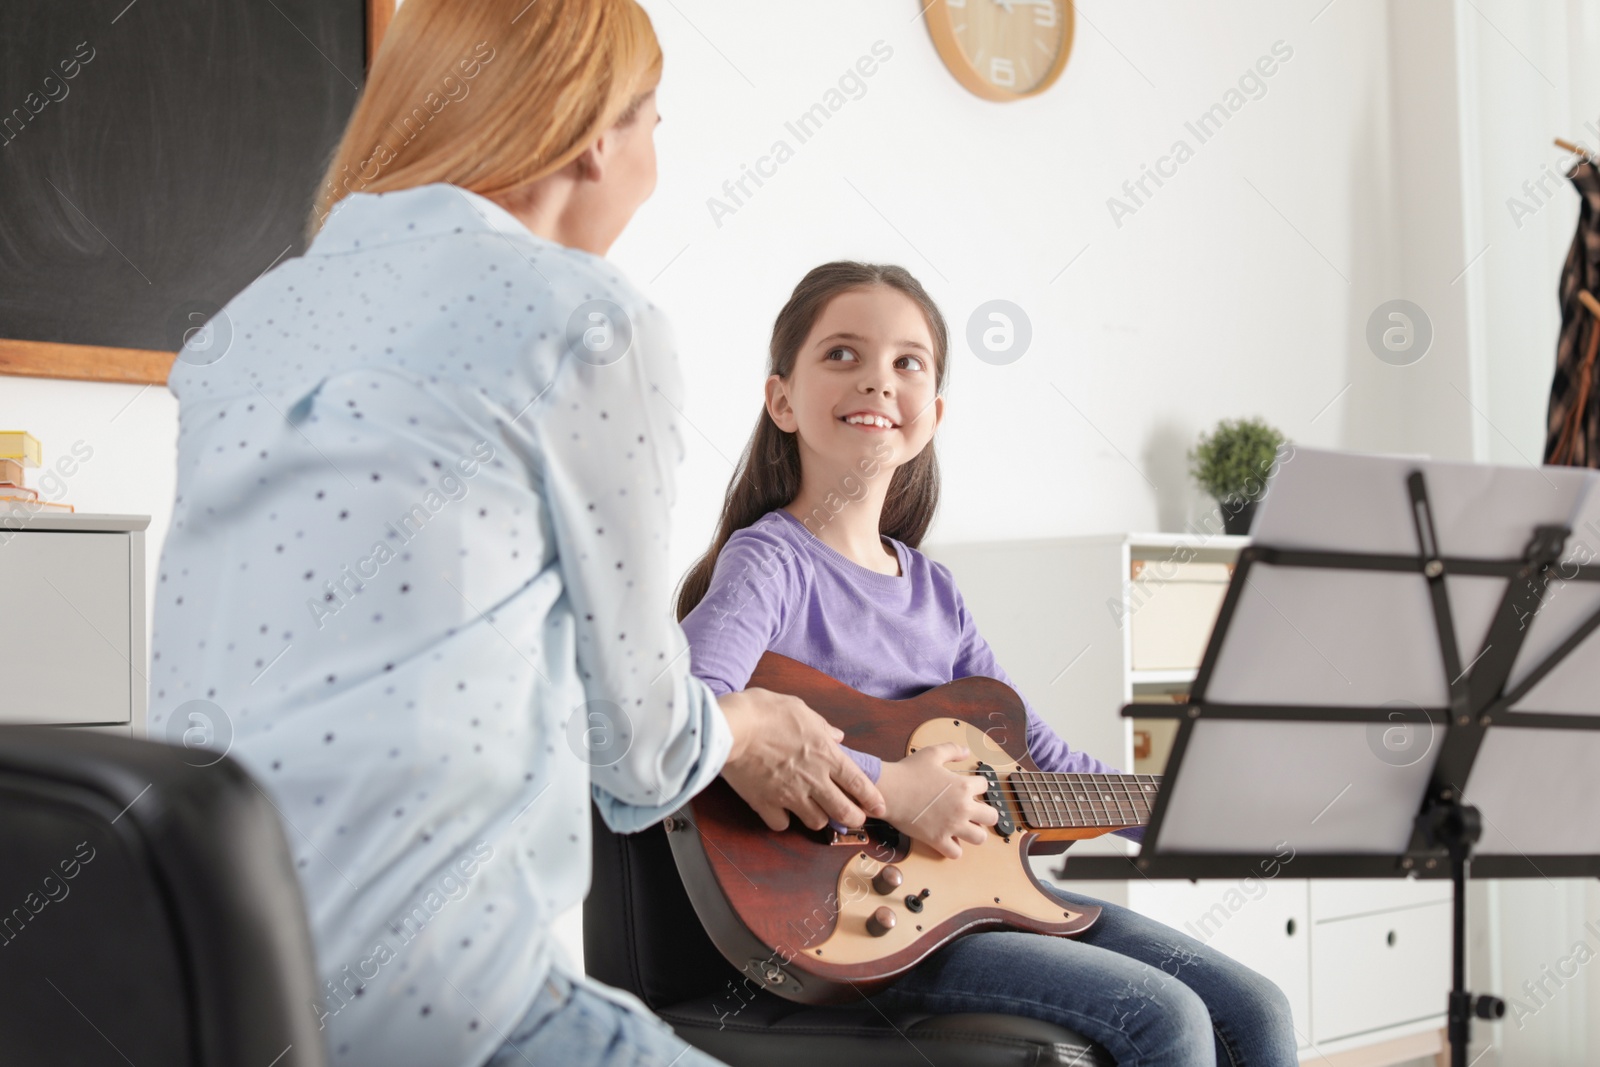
888 880
881 922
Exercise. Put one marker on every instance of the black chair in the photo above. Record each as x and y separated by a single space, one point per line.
640 933
149 911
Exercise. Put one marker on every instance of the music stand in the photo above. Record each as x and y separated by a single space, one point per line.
1334 711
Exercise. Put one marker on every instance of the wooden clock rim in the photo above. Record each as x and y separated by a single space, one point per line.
942 29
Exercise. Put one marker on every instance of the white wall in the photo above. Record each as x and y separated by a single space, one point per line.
1205 303
1231 291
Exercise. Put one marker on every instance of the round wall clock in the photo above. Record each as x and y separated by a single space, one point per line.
1002 49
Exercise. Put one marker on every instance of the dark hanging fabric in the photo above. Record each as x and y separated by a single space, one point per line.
1573 429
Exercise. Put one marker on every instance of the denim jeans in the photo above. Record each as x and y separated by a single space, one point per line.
1149 994
568 1026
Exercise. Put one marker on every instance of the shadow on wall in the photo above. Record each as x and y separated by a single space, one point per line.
1166 462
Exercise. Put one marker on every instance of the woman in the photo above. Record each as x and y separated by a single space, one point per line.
418 561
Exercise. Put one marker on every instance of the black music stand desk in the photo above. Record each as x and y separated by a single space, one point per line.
1403 681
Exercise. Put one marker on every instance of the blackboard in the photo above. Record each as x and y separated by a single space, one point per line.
158 156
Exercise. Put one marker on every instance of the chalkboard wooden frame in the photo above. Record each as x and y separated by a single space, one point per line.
133 366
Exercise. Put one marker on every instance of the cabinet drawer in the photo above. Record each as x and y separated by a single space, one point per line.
66 628
1379 970
1174 607
1259 922
1340 898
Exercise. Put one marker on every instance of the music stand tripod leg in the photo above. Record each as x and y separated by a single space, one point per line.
1455 827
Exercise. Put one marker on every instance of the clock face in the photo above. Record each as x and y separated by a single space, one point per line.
1003 49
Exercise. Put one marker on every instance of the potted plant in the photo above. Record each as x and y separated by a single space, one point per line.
1232 463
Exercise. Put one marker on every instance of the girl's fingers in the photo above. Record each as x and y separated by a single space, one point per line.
947 752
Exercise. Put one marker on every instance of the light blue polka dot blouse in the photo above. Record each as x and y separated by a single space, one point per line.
417 583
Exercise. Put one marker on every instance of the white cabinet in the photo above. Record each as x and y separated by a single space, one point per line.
1365 963
1343 898
1379 970
72 621
1263 923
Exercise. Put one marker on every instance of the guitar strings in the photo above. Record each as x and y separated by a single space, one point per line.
1039 794
1098 791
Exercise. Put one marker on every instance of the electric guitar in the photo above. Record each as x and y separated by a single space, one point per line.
821 917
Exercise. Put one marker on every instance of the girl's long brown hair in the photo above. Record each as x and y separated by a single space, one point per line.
769 470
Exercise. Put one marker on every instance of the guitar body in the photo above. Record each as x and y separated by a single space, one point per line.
794 909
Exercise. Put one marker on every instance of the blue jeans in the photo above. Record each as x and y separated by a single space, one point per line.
568 1026
1151 995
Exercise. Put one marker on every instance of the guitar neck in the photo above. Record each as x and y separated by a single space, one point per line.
1052 800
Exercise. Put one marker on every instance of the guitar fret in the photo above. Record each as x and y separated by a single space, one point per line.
1030 811
1062 812
1057 815
1061 800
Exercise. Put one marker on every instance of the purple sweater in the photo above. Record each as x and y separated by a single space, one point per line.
776 586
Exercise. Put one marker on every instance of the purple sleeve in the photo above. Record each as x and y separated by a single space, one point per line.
754 587
1049 751
871 765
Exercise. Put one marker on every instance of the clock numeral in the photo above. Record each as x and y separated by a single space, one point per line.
1044 13
1001 71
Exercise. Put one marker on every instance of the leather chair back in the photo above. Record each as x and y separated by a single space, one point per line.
640 932
149 910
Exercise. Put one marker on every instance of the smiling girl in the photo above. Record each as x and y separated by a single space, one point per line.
815 558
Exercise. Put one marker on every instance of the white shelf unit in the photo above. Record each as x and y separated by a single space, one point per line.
72 621
1364 963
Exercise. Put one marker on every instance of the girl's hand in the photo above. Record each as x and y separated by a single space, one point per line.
786 757
939 807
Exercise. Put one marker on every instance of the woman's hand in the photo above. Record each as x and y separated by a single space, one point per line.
786 757
939 807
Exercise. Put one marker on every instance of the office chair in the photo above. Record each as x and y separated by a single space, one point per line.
149 912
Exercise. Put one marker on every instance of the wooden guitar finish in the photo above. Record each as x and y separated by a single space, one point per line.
815 916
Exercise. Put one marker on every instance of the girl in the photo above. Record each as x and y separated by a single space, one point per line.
815 558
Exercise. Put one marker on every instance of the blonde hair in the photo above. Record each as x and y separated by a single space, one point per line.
490 95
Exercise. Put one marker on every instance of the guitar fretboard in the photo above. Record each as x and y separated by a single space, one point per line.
1052 801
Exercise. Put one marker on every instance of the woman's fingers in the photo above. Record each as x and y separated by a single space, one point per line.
809 813
773 815
853 780
836 805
